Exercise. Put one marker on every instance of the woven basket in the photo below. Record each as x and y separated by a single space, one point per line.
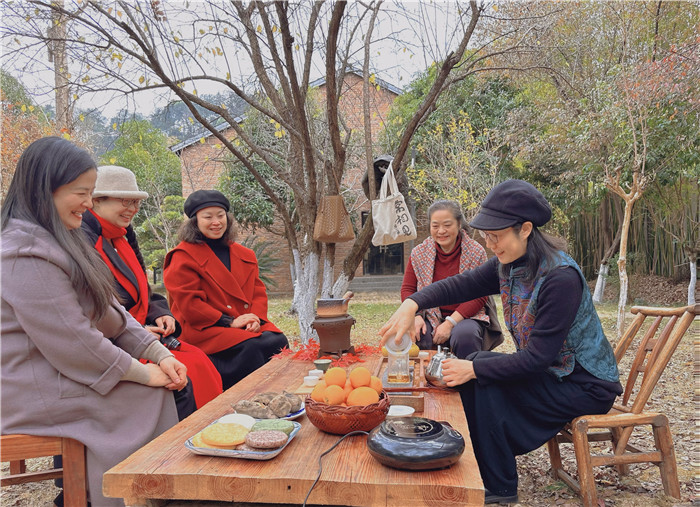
342 420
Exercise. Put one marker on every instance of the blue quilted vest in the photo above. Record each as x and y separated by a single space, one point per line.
586 342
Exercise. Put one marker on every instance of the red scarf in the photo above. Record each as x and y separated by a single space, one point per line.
139 294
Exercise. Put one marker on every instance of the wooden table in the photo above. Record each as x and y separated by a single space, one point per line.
165 469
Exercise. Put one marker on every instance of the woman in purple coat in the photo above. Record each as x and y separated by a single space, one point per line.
69 350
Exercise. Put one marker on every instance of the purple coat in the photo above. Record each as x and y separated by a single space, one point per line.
61 374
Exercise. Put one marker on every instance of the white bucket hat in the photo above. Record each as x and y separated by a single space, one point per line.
115 181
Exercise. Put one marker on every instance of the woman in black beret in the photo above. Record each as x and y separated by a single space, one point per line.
564 366
216 292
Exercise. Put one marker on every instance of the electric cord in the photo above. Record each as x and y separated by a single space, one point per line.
320 466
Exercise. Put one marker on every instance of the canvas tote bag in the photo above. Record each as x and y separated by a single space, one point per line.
333 223
392 221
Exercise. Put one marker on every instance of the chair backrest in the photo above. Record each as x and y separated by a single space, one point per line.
655 349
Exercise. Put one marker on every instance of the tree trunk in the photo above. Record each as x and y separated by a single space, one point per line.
328 264
622 267
57 54
693 280
305 287
600 283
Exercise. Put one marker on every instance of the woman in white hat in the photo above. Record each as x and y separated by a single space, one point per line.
564 367
115 202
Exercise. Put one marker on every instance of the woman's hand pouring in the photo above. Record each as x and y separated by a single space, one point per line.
402 322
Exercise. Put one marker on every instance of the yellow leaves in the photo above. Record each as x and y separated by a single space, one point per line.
236 142
191 120
119 65
114 126
223 106
495 8
202 140
66 136
85 79
274 28
142 79
259 29
277 125
217 146
201 31
23 108
81 117
378 87
117 56
31 109
194 92
297 47
145 28
373 78
228 76
112 160
280 133
119 14
218 51
176 39
225 29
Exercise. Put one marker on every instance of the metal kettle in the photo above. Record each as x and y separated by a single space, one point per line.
433 373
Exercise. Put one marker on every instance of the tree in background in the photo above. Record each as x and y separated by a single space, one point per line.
258 51
145 150
22 124
461 149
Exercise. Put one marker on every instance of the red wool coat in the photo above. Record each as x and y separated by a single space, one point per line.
202 289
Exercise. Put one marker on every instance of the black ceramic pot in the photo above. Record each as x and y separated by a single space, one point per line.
415 443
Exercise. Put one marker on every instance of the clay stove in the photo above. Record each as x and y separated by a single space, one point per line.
334 334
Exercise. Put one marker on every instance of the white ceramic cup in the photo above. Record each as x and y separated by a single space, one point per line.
316 373
310 380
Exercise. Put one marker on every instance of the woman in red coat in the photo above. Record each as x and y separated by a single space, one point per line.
216 292
116 200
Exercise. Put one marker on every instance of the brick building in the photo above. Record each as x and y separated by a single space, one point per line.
202 165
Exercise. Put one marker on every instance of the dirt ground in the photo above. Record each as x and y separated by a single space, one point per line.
674 396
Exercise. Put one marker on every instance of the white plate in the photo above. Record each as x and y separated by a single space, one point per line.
232 453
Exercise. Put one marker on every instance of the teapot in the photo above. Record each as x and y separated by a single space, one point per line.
433 373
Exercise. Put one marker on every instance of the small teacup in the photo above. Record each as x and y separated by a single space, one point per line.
316 373
310 380
322 364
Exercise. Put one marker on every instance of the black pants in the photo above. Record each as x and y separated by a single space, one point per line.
466 337
507 419
184 401
239 361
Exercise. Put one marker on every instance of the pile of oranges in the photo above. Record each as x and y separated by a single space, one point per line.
358 388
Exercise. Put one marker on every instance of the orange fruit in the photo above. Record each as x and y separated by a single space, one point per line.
362 396
334 395
360 377
348 387
335 377
319 390
376 384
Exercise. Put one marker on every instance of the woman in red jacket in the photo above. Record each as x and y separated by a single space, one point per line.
115 202
216 291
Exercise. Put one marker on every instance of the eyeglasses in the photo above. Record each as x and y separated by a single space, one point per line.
488 236
128 203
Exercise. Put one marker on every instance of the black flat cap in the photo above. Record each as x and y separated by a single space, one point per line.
203 199
512 202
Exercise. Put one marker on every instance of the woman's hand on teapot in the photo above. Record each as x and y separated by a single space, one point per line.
400 323
442 333
457 371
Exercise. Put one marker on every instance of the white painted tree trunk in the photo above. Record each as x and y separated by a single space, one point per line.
341 284
327 280
693 281
305 289
600 283
623 298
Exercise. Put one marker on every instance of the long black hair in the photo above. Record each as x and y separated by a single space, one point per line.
45 165
542 250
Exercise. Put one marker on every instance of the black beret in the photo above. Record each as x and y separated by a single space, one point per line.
203 199
512 202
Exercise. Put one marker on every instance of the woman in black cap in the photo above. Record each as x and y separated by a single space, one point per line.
216 291
564 366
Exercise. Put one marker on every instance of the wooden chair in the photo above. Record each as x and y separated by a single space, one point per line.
654 352
17 448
